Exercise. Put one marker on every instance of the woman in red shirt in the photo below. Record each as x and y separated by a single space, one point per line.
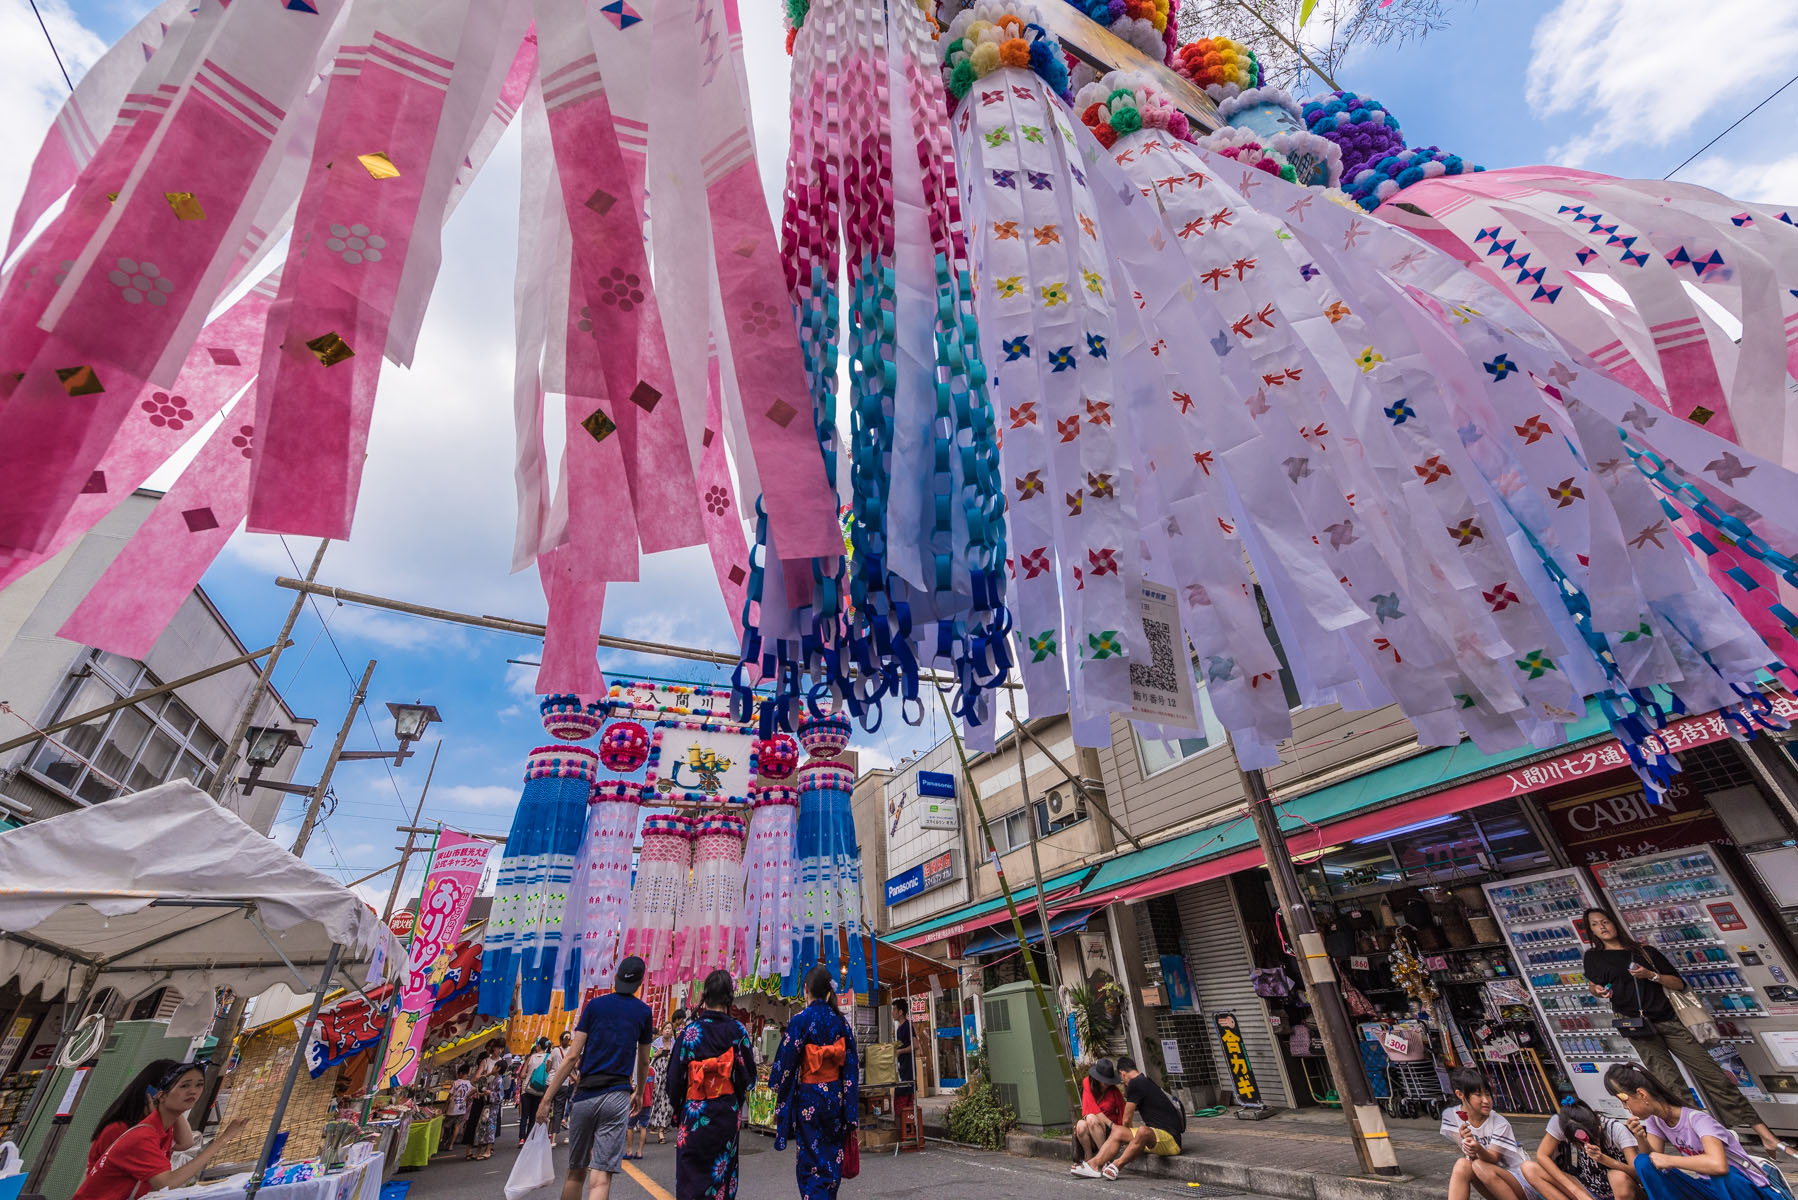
1101 1111
132 1106
137 1160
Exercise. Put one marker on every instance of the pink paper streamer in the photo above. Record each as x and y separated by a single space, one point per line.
723 528
576 605
137 597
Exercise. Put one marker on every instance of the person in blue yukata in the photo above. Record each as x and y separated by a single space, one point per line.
816 1080
710 1072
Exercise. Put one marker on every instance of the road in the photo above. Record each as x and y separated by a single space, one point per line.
937 1173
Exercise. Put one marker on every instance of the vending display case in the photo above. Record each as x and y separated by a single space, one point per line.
1540 916
1691 907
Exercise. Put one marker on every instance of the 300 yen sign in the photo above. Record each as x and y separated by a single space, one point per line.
1395 1043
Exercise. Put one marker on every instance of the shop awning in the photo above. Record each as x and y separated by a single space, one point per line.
1401 794
970 917
1003 937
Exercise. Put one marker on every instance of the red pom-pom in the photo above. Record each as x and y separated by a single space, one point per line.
1106 134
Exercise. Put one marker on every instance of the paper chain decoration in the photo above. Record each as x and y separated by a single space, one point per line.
1196 364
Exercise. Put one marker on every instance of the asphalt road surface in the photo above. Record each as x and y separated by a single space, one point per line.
936 1173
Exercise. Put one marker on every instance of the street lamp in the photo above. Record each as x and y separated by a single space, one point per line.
410 722
268 744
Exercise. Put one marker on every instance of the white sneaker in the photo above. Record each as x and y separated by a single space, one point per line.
1085 1172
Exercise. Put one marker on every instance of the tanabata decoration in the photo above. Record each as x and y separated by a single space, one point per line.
624 746
770 880
710 936
776 757
829 876
600 890
1376 163
1264 127
659 894
871 194
525 933
568 718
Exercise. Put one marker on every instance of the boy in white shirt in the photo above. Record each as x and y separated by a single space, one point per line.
1491 1161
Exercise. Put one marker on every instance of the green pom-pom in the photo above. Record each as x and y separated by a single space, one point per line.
1126 120
962 78
1289 173
796 10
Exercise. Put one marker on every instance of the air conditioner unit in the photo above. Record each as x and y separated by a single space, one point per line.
1058 803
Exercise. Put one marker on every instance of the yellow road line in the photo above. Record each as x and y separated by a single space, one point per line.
646 1183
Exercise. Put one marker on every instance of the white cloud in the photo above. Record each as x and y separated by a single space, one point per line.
1628 67
31 86
394 630
1773 182
474 795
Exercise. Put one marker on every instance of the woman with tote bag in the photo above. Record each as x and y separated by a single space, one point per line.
1641 986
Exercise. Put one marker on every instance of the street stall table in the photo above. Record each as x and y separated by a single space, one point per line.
357 1181
422 1141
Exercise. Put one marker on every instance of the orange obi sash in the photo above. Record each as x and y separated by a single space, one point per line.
709 1078
823 1064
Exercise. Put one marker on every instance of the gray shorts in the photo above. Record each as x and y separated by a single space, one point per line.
596 1129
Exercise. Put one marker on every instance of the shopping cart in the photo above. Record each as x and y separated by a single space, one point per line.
1412 1088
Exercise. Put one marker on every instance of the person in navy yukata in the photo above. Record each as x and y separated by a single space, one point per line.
710 1072
815 1080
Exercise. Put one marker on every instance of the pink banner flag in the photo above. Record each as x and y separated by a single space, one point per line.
450 887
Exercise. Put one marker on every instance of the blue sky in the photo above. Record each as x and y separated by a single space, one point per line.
1600 84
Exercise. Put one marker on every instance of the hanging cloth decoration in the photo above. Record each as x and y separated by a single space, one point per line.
659 894
710 936
769 880
600 893
829 864
524 934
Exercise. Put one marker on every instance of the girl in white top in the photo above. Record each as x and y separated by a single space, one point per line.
1584 1157
1687 1153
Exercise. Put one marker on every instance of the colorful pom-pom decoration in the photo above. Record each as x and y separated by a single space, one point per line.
776 757
624 746
773 795
1217 66
615 791
565 717
826 735
1360 125
561 762
1124 102
1385 179
826 774
994 35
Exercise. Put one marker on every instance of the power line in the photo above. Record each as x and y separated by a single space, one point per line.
1682 166
53 50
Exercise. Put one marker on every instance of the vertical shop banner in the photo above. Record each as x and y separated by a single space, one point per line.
1242 1076
450 886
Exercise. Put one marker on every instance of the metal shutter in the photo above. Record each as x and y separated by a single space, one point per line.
1217 957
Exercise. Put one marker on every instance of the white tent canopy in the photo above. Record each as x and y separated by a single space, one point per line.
165 887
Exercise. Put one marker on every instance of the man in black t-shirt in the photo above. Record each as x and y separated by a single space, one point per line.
1162 1124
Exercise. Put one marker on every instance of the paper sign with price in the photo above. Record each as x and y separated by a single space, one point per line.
1395 1043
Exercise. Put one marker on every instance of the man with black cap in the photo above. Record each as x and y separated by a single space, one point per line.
610 1048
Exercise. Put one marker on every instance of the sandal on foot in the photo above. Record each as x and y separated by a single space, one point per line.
1109 1170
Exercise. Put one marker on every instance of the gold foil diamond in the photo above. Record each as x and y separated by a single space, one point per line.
599 425
186 206
79 381
1701 415
378 165
330 349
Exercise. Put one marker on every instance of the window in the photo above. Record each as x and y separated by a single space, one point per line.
129 750
1014 834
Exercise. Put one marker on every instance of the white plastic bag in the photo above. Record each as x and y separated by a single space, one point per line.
534 1167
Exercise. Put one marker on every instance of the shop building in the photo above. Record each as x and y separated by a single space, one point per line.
170 736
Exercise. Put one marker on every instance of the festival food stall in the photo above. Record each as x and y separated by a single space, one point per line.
167 888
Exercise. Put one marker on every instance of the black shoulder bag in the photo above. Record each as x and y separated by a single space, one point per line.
1636 1026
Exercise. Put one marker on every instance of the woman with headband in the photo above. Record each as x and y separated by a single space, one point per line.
138 1159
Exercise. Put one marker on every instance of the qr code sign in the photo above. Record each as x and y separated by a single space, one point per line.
1157 676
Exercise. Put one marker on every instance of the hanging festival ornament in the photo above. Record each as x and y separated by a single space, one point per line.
624 746
1376 163
1264 127
829 876
825 735
600 891
566 717
525 932
770 880
778 757
659 894
710 934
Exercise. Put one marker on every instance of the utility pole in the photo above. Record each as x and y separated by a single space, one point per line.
1367 1126
399 874
228 767
1017 923
324 780
1036 862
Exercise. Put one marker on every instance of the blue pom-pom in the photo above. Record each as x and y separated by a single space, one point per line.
1409 176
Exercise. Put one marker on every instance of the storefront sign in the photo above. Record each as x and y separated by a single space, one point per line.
1242 1076
1625 825
1681 735
402 923
1095 955
1170 1056
937 785
919 1007
930 874
1161 690
457 865
1179 984
936 801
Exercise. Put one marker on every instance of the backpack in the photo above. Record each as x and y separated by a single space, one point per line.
540 1077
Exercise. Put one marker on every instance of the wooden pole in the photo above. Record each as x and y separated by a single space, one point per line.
324 780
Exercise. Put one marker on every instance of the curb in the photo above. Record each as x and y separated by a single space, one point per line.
1283 1183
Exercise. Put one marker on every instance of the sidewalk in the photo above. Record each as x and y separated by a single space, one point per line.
1301 1154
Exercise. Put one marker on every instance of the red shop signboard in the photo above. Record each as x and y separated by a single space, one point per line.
1596 830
